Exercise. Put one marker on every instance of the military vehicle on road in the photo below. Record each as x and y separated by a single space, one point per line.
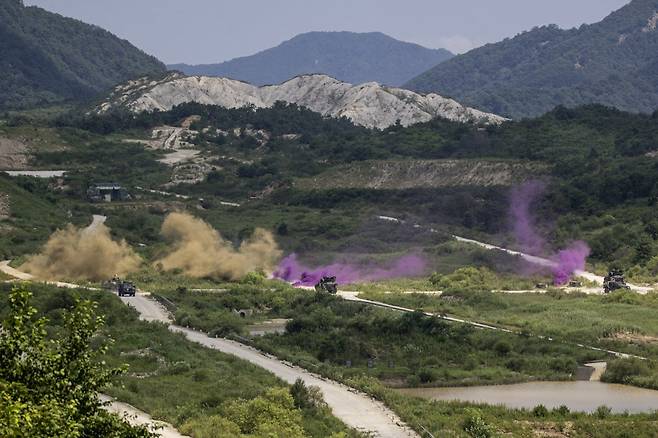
327 284
614 281
122 287
126 289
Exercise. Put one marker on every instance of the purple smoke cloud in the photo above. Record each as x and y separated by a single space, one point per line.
523 221
569 260
566 261
292 271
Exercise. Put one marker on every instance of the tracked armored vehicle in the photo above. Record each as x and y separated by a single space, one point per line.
327 284
614 281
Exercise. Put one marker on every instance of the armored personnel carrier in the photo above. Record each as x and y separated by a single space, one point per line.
327 284
126 289
614 281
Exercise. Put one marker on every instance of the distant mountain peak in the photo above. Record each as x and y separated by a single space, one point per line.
349 56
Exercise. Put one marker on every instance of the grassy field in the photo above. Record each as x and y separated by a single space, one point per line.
622 320
344 339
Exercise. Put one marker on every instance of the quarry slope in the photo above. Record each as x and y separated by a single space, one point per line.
409 174
371 104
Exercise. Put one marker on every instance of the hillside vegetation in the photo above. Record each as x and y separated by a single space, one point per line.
48 58
613 62
348 56
600 163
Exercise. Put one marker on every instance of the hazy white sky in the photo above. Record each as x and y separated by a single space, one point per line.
204 31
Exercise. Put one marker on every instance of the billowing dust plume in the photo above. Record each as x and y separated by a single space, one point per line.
82 254
200 251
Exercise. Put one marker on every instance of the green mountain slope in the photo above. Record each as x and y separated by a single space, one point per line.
613 62
46 58
347 56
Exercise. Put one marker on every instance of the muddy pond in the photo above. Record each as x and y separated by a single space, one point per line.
581 396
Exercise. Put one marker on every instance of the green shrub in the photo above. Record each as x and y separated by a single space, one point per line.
623 370
475 426
540 411
602 412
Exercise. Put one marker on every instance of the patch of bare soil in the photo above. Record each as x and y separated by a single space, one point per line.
634 338
191 171
14 154
169 138
188 121
550 429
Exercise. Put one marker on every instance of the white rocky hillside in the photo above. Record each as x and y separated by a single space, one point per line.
369 104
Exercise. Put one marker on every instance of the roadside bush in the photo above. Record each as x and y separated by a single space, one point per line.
475 426
602 412
540 411
562 410
426 375
502 348
211 427
306 397
623 370
255 278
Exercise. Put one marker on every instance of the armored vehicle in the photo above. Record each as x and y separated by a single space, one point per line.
126 289
327 284
614 281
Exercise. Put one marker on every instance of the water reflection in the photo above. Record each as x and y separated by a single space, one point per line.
577 396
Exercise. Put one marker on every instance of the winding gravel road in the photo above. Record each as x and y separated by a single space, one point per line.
355 409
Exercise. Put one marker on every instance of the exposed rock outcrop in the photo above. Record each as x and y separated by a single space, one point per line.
370 104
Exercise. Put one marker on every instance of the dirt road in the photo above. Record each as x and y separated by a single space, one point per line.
96 221
137 417
355 409
148 309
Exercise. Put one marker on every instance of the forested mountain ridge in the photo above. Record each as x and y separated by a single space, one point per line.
613 62
348 56
47 58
